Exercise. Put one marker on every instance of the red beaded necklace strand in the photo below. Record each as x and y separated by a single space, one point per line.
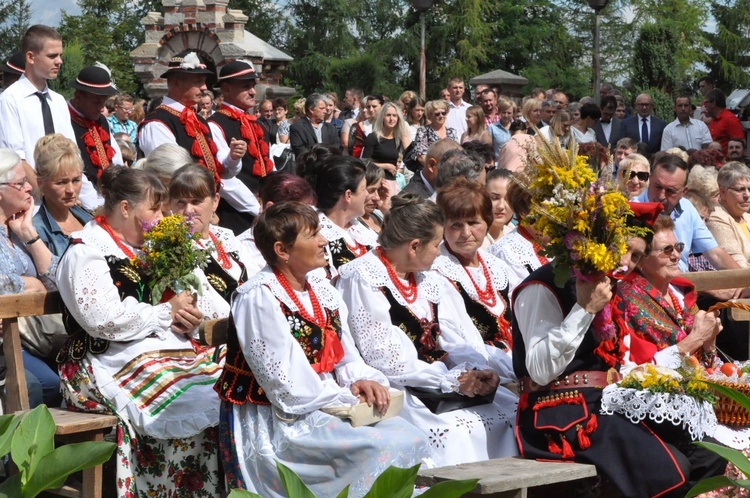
226 263
102 221
488 296
408 292
318 317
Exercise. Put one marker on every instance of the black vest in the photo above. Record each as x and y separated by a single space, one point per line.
88 168
172 122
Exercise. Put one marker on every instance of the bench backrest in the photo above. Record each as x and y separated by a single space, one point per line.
13 306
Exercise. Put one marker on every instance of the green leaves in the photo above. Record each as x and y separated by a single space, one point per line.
241 493
293 485
30 439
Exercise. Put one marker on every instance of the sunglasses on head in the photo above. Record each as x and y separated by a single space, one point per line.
642 175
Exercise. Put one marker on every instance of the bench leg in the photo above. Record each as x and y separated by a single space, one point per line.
91 487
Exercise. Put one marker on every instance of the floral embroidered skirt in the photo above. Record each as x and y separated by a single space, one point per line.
147 466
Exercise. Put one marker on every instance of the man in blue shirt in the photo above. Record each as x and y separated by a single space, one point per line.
668 183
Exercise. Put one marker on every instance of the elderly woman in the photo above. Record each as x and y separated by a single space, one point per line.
59 170
435 111
137 360
410 323
26 264
192 193
164 160
481 278
387 142
521 249
341 189
633 173
730 222
290 354
705 181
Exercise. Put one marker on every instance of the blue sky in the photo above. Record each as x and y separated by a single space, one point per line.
43 13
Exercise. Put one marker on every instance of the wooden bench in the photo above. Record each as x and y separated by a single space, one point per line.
71 427
507 477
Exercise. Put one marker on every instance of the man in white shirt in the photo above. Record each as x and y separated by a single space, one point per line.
457 106
686 132
29 109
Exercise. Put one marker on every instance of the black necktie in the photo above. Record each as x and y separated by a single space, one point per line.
49 125
644 131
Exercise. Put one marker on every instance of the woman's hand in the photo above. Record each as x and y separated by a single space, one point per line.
390 168
706 326
371 392
593 296
185 316
33 284
21 223
478 382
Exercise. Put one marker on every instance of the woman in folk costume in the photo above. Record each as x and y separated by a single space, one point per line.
410 323
137 360
289 356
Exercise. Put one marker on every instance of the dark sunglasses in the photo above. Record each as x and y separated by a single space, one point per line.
642 175
667 251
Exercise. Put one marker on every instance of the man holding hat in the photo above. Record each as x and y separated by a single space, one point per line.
29 109
175 120
99 150
231 121
13 69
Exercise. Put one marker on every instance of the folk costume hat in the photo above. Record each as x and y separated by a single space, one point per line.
188 62
95 79
16 64
645 214
237 70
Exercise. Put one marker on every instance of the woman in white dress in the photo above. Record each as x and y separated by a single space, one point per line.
480 278
136 360
290 354
341 188
410 323
521 249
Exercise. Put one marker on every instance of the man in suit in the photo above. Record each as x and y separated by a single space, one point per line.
424 181
607 128
312 129
643 127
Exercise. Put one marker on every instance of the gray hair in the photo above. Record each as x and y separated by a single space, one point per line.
164 160
731 172
457 163
8 160
548 103
573 107
313 100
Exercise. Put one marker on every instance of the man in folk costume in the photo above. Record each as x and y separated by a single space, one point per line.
99 150
175 120
232 121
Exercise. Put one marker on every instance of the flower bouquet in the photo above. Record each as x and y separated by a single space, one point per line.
680 396
576 206
170 256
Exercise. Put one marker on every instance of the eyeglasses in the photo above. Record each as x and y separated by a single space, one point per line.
17 185
642 175
126 110
667 250
740 190
439 113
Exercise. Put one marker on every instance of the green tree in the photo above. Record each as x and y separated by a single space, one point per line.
654 57
729 52
268 20
14 17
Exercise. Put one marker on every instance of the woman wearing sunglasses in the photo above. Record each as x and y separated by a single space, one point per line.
633 173
436 112
657 308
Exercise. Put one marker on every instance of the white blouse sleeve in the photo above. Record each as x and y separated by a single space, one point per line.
551 339
277 360
386 347
86 287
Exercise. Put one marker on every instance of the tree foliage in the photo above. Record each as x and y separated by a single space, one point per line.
729 51
654 57
15 17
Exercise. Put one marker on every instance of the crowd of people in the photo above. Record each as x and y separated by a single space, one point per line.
394 259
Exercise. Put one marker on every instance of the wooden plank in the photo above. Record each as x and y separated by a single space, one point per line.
719 279
31 304
740 315
214 332
92 477
16 393
508 474
69 422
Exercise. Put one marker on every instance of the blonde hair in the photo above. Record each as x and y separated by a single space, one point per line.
703 180
528 106
54 153
399 131
676 151
478 113
434 105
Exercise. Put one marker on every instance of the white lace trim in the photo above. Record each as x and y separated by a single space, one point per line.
695 416
325 293
448 265
357 232
93 235
371 270
515 250
227 238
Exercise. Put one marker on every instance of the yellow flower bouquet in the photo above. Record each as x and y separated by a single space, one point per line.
577 209
169 256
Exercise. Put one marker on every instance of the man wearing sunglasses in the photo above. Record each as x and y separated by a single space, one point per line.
685 131
667 184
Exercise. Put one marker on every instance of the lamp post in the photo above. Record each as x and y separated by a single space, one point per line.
422 6
597 5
